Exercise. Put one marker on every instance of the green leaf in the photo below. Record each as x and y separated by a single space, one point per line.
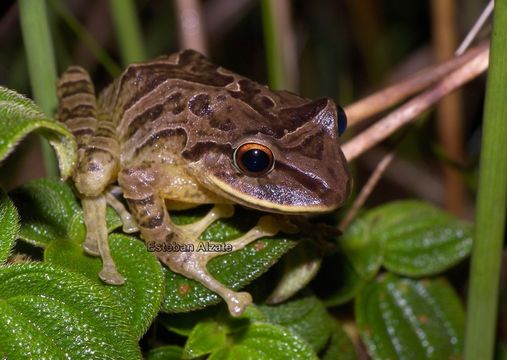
338 282
235 270
306 316
142 292
183 323
9 226
339 345
420 239
299 267
49 210
47 312
19 116
263 341
169 352
206 337
401 318
361 246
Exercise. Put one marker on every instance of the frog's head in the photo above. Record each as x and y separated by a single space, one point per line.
274 151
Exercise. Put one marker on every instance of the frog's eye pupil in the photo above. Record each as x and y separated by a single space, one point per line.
342 121
253 159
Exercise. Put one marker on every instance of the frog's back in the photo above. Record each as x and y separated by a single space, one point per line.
149 100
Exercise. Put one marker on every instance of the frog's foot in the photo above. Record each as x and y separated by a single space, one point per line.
195 229
96 242
267 225
194 264
129 224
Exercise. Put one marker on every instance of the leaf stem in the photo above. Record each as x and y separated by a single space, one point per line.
128 30
41 65
491 202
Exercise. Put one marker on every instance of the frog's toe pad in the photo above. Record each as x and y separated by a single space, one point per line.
237 302
130 227
111 277
91 248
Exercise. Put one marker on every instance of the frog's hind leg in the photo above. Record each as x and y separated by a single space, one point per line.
97 163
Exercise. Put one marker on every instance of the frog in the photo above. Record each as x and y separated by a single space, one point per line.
178 132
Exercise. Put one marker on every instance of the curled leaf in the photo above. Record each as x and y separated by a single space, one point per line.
19 116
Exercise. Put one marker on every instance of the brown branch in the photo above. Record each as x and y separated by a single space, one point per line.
191 26
393 94
449 112
410 110
366 190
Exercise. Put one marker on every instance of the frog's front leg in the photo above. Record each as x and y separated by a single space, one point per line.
157 229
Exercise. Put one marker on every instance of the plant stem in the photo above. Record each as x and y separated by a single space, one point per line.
102 56
491 202
41 65
274 54
128 30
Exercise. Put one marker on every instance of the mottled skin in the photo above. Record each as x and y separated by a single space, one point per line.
166 131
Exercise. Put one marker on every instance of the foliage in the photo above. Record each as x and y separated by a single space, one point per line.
386 283
61 298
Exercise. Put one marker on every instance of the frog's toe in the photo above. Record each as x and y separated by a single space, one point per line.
194 230
237 302
91 247
129 227
111 276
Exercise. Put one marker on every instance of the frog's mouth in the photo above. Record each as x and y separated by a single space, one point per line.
242 198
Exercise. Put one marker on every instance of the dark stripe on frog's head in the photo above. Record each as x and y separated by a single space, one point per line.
140 79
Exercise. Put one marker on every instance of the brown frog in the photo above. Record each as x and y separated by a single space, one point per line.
179 131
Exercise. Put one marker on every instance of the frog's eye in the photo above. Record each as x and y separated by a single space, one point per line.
253 159
342 121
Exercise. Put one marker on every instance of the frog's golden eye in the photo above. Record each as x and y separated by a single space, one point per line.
253 159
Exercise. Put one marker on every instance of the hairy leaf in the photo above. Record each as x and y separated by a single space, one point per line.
206 337
420 239
339 345
299 267
49 210
142 292
9 226
19 116
169 352
401 318
338 282
46 312
306 316
264 341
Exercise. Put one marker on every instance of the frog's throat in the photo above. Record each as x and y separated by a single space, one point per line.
265 205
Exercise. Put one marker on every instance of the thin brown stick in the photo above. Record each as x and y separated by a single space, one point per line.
411 109
191 25
449 112
393 94
479 23
366 190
